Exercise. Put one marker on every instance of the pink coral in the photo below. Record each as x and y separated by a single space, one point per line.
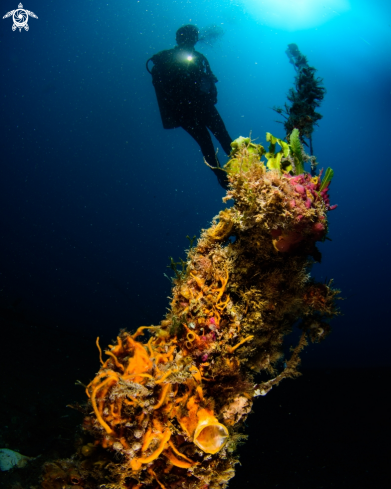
307 188
307 197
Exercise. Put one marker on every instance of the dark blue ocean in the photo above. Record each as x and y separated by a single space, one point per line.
96 195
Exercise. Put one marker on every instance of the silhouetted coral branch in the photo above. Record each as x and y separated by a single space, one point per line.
304 98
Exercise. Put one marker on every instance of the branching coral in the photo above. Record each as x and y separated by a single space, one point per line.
167 410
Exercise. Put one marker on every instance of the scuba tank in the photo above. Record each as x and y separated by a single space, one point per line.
160 82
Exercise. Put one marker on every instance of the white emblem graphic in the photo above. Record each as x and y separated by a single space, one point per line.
20 17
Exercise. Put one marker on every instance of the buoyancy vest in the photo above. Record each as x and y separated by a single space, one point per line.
181 80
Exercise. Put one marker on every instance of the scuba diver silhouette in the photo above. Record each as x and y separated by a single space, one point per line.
186 93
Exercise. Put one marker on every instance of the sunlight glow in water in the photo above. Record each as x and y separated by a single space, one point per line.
292 15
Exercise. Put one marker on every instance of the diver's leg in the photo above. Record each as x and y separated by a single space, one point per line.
216 125
200 134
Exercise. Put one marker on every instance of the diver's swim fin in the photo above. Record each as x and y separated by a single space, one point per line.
222 178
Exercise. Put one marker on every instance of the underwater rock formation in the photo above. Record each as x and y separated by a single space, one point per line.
10 459
166 408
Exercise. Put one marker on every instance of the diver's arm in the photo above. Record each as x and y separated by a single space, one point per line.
207 69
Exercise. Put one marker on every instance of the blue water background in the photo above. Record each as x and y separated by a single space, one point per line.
96 195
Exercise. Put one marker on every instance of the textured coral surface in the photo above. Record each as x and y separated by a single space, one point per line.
167 405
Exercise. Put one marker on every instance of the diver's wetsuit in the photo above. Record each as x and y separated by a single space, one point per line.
186 92
197 123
